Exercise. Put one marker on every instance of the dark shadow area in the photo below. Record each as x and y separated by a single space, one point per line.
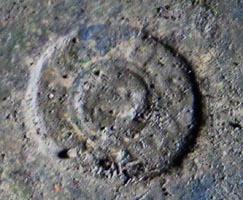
63 154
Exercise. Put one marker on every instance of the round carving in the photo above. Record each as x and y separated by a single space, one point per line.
124 101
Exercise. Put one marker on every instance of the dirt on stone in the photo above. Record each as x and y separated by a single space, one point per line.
121 99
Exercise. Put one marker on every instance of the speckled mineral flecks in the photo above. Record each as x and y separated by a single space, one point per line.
60 141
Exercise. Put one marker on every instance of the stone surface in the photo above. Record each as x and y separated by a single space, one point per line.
144 97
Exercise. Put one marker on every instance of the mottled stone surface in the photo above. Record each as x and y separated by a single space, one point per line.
169 128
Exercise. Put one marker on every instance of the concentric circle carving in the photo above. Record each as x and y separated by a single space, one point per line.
123 100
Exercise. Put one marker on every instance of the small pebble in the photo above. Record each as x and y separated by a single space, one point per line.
72 153
56 188
51 96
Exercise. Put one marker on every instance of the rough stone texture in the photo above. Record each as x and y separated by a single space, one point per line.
45 45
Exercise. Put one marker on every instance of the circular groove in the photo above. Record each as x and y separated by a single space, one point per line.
129 104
